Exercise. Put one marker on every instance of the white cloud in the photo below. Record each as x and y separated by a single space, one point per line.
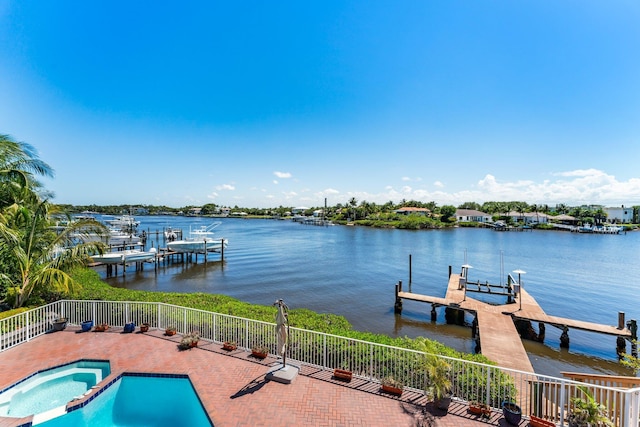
227 187
589 186
585 186
275 181
282 175
406 178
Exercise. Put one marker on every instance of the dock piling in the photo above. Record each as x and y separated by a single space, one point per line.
621 320
397 307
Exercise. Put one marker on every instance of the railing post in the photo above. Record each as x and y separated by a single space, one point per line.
370 361
246 334
93 311
632 406
324 351
562 402
27 315
215 326
159 322
184 316
487 398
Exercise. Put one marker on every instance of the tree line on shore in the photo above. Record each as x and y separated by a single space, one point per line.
371 213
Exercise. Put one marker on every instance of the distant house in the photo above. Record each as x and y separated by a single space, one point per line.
195 211
472 215
411 210
619 215
529 218
563 219
140 211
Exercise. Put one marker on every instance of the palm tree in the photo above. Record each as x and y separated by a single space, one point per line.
18 164
34 258
353 202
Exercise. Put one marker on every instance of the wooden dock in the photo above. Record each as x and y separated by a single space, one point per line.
499 338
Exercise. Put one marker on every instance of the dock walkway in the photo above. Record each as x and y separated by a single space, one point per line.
499 338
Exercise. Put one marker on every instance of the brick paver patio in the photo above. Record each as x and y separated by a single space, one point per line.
231 385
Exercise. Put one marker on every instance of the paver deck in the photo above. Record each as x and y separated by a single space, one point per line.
231 385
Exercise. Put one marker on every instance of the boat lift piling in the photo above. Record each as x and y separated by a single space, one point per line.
163 255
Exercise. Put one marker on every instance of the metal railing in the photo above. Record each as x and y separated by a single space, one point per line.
544 396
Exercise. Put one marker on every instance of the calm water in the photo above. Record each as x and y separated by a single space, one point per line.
352 271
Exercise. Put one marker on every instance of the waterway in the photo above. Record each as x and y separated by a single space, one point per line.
351 271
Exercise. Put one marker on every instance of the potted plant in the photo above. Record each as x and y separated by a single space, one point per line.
101 327
587 412
229 345
477 408
59 324
144 327
439 382
259 351
512 412
392 385
86 325
171 330
189 340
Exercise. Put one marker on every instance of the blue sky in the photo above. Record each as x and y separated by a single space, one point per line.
270 103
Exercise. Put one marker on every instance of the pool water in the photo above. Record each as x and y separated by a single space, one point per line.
46 393
148 401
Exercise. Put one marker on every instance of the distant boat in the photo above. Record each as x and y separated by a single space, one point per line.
587 228
199 241
124 222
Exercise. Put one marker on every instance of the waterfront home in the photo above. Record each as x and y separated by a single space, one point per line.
619 215
411 210
529 218
472 215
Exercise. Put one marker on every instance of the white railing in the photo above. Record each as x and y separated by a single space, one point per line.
540 395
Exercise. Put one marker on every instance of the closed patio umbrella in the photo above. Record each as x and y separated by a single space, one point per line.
282 329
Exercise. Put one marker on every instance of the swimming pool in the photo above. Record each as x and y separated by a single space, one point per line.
45 394
139 400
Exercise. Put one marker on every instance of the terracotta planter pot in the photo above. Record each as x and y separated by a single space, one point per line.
169 332
392 390
540 422
258 354
144 327
228 346
342 374
101 328
478 409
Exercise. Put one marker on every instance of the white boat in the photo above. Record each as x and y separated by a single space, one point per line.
108 258
199 241
135 255
119 257
114 238
124 222
170 234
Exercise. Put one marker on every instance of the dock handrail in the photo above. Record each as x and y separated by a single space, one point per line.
545 396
